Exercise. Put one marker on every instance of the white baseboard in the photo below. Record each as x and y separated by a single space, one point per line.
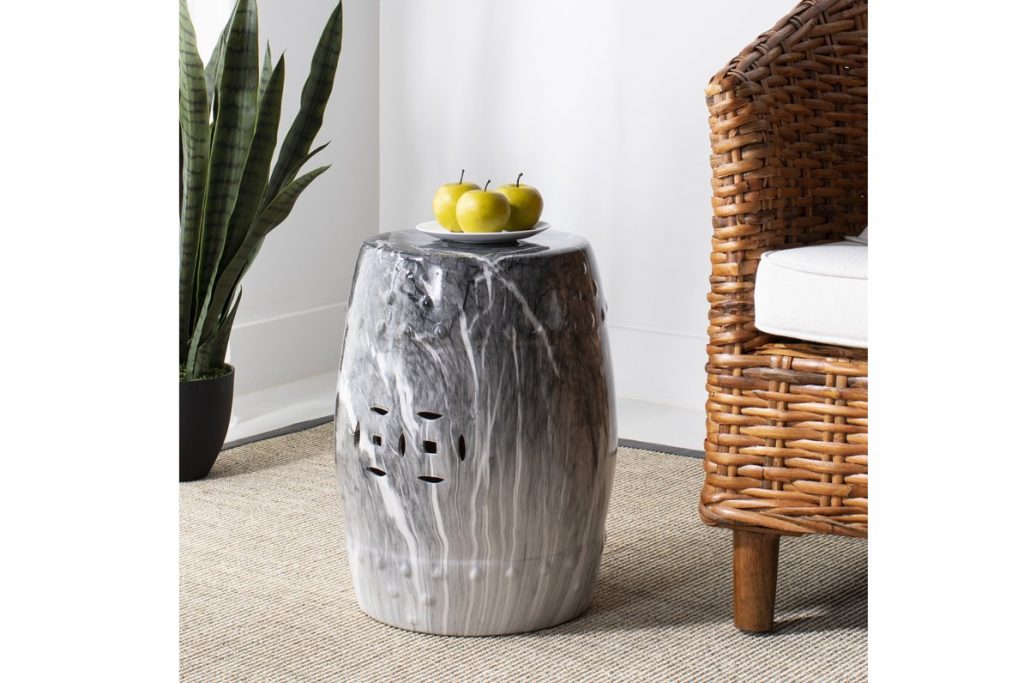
660 367
259 412
278 351
285 369
657 423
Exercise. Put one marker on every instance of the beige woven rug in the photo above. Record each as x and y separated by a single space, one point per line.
266 594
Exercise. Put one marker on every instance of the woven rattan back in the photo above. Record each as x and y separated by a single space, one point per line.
789 149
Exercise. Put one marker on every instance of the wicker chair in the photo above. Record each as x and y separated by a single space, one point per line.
787 442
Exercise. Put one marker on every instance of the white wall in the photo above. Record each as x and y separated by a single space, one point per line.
602 105
290 321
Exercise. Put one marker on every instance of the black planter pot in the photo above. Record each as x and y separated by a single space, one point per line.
204 411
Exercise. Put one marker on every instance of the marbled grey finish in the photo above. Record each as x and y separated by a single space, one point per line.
475 432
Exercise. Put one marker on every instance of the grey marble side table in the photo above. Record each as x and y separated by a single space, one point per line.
475 432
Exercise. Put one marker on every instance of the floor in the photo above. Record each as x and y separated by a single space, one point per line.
267 594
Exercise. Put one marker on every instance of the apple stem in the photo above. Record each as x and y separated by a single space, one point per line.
517 179
488 183
461 176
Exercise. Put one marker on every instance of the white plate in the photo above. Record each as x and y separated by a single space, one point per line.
434 229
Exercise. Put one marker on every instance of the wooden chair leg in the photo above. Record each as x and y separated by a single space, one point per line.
755 564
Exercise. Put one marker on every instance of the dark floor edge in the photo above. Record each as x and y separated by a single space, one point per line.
661 448
309 424
283 431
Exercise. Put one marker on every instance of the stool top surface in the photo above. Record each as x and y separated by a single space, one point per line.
415 243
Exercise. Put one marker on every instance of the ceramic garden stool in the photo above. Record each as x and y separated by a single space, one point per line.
475 432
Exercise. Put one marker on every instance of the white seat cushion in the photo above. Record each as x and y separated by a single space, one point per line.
817 293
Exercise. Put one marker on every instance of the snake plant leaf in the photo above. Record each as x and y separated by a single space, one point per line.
257 165
315 93
313 153
236 95
281 206
211 353
215 67
265 74
270 217
194 132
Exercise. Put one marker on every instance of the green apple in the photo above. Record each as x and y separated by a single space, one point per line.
526 204
445 199
482 211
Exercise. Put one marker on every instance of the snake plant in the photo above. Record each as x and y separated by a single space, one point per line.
229 197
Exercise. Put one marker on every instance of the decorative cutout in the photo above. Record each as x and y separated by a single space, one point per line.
376 440
376 471
355 436
429 479
430 447
379 410
401 444
428 415
462 447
